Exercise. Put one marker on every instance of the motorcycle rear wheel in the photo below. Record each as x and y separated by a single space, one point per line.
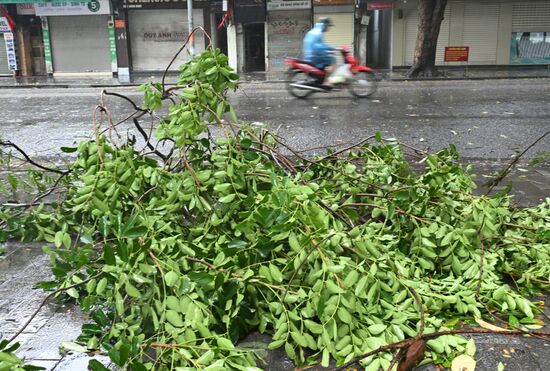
363 84
298 77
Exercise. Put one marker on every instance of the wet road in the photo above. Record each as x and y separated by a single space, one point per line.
485 119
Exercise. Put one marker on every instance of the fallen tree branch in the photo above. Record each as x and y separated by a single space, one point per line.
407 342
11 144
503 174
44 302
148 144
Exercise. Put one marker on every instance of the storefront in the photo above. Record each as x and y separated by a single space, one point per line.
157 30
342 15
8 62
497 32
78 37
247 36
530 42
288 22
30 42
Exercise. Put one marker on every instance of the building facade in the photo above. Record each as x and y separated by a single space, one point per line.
120 37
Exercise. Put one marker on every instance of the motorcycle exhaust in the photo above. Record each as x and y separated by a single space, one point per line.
308 87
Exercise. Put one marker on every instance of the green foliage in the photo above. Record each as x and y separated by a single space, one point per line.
180 258
10 362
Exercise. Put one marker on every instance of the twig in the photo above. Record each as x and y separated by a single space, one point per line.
493 183
433 335
481 265
44 302
11 144
136 107
148 144
191 34
363 141
400 211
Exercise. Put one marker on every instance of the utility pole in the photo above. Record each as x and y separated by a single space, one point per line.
190 23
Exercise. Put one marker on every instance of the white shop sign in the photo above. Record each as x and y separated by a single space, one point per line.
288 4
10 51
94 7
25 9
4 25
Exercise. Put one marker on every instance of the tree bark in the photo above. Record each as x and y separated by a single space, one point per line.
430 16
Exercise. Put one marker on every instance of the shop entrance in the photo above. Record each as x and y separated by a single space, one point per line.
254 47
221 33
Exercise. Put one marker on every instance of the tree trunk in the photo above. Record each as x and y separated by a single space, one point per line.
430 16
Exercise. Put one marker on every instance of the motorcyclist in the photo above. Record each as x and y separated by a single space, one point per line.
316 50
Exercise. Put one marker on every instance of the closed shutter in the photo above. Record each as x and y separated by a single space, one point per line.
481 32
531 17
4 66
157 35
411 32
80 43
341 34
286 30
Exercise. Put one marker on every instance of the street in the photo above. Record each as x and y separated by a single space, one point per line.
488 120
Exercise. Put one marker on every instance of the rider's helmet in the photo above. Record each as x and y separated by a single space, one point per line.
327 22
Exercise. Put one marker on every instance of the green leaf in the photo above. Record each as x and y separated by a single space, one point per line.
95 365
171 278
72 346
275 273
131 290
376 329
135 232
227 199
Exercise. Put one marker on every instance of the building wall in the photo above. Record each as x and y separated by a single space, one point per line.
484 25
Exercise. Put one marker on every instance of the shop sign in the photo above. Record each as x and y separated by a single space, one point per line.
379 6
10 51
162 4
333 2
457 53
112 45
249 11
4 25
288 4
94 7
25 9
47 45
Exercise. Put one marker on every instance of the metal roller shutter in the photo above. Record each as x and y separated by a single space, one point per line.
531 17
411 31
481 32
4 67
342 32
80 43
286 30
156 36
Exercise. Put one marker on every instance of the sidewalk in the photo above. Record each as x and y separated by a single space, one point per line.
397 74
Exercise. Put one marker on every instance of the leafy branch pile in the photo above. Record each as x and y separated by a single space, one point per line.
180 250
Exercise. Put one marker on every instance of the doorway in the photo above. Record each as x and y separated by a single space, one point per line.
379 38
221 33
254 47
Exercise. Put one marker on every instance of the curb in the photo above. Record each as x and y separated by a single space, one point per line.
396 79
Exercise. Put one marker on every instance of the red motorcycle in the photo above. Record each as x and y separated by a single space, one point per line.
304 78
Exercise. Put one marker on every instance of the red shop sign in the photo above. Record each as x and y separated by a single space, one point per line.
457 53
379 6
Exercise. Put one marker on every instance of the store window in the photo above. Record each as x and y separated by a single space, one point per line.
530 48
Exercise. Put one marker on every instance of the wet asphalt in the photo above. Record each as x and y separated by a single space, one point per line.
488 121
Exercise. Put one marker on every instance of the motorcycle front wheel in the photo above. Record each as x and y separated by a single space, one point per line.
363 84
301 78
